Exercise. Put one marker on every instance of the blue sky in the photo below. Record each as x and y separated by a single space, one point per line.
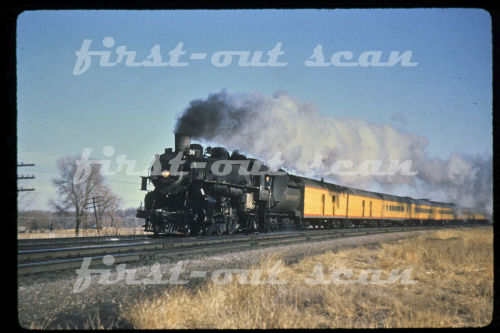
446 98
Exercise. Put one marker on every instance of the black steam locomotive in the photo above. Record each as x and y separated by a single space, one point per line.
209 191
212 191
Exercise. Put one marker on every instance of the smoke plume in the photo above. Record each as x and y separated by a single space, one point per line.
284 132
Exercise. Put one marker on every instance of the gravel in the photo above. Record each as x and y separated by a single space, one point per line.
47 300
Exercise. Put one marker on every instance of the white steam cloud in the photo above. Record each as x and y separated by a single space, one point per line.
286 133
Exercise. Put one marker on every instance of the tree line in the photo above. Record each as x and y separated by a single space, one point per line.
40 220
73 206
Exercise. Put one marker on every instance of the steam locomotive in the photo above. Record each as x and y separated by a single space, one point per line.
211 191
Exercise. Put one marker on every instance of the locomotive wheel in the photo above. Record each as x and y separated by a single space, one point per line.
265 222
231 226
208 230
196 228
220 228
254 226
198 220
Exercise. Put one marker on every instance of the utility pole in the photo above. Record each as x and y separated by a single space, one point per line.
25 177
96 202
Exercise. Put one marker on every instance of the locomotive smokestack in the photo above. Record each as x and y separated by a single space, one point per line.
182 141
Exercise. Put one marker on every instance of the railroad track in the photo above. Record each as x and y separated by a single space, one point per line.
49 243
68 253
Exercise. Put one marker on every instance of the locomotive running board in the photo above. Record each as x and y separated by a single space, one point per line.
231 185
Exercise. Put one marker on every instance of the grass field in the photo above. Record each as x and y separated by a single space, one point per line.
452 270
83 233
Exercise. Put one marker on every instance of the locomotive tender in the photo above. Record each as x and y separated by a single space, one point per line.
212 191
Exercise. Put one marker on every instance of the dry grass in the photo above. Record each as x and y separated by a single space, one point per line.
58 233
93 322
453 270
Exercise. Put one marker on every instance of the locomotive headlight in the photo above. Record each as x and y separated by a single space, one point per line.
165 173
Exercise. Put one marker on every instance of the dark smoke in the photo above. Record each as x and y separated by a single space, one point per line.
206 119
286 133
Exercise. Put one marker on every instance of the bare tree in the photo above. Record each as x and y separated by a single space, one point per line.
76 185
110 203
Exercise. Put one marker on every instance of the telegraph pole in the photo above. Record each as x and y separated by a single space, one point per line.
25 177
96 202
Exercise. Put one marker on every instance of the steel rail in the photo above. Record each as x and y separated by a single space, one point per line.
44 260
147 245
84 239
47 244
